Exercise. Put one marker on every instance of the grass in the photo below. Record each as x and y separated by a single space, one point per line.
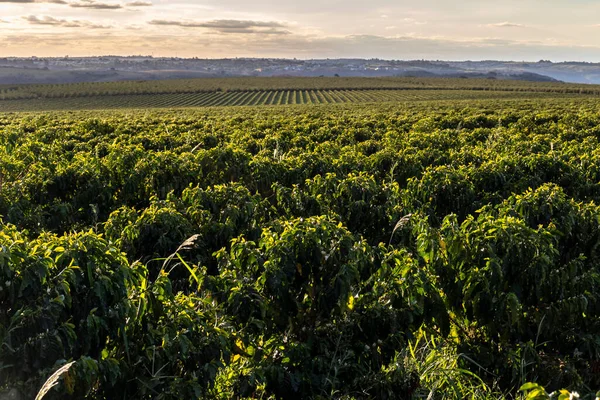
52 381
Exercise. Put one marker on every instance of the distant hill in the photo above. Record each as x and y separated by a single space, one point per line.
115 69
519 76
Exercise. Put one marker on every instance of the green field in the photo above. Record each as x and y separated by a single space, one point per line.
399 244
287 97
275 91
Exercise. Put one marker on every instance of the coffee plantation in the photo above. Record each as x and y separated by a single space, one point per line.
352 251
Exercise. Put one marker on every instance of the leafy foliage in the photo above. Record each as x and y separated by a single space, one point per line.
331 252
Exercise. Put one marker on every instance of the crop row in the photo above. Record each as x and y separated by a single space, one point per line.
277 84
261 97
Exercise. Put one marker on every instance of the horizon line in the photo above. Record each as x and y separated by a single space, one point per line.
305 59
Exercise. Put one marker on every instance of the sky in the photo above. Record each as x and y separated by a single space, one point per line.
529 30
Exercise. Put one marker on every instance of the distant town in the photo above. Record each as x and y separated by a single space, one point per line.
14 70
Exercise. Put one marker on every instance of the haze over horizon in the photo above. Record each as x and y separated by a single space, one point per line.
430 29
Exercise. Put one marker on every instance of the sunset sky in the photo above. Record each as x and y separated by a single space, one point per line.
431 29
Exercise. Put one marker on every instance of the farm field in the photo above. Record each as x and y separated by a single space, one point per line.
392 247
275 91
267 98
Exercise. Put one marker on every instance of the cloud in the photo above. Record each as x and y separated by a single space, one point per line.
92 42
139 4
220 24
51 21
393 47
412 21
94 5
34 1
507 25
229 26
85 4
